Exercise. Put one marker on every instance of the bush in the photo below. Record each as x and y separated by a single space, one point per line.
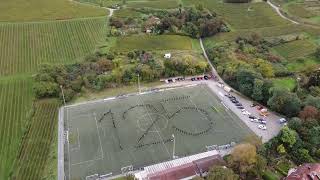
46 89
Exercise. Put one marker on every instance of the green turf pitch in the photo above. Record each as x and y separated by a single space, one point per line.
137 130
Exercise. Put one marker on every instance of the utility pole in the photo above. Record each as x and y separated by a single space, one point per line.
174 147
139 84
64 100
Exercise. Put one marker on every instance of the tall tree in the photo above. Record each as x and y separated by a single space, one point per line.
221 173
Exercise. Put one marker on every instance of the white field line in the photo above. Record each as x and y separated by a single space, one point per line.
95 118
78 137
155 127
69 156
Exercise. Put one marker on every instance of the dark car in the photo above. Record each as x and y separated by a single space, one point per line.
206 77
240 107
234 101
252 117
193 79
238 104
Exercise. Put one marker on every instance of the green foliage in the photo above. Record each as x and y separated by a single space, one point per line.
46 89
312 101
246 79
281 149
257 90
288 136
221 173
285 102
317 54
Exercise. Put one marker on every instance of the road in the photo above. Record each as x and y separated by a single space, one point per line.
277 9
273 125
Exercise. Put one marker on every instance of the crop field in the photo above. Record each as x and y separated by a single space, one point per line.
23 46
35 10
16 104
303 64
136 130
296 49
243 15
147 42
36 145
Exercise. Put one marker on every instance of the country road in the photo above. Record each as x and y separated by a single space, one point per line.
277 9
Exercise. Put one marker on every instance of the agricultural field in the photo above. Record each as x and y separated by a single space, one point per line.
147 42
296 49
307 11
39 10
303 64
23 46
16 108
106 135
242 15
37 141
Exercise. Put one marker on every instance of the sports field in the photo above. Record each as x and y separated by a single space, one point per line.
137 130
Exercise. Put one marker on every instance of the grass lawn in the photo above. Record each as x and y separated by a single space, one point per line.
35 10
243 15
296 49
23 46
285 83
149 42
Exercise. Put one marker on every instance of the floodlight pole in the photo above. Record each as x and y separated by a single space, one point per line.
139 84
174 147
64 100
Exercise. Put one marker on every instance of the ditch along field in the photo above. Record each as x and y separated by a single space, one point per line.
24 46
106 135
39 10
16 107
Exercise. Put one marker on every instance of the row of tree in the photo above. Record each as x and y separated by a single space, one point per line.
100 71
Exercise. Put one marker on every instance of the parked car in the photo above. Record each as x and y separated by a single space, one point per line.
252 117
238 104
259 108
282 120
263 127
240 107
234 101
206 77
193 79
253 105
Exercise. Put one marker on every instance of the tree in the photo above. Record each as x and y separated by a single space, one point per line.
314 79
46 89
245 80
288 136
318 53
295 124
254 140
264 67
315 91
243 157
285 102
281 149
221 173
312 101
257 90
314 136
309 112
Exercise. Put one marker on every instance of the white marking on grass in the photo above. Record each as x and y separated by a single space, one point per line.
95 118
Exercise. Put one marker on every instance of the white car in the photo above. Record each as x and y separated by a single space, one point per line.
254 120
243 110
246 113
282 120
263 127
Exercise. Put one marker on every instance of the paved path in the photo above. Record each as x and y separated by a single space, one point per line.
273 126
277 9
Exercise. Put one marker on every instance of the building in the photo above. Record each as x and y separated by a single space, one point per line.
167 55
182 168
308 171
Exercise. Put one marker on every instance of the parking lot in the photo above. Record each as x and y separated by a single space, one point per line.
272 123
